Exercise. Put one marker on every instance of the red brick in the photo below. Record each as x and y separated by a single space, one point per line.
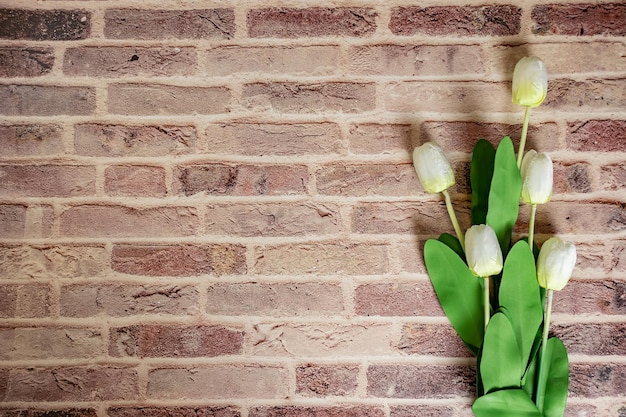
432 339
613 177
421 411
397 299
594 256
167 24
322 411
571 178
585 19
311 22
123 140
27 301
303 60
592 338
178 260
174 341
332 258
45 25
298 98
218 382
597 380
31 140
240 180
75 383
47 180
368 180
199 411
119 221
44 100
162 99
596 136
135 181
65 412
327 380
113 61
23 343
416 60
374 138
420 381
592 297
12 220
275 299
492 20
259 139
587 96
88 300
26 62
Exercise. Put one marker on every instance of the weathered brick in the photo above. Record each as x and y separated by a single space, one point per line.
240 180
47 180
302 60
12 220
321 340
591 96
65 412
378 138
218 381
167 24
420 381
174 341
416 60
410 255
88 300
75 383
593 338
45 25
596 136
322 411
594 256
597 380
28 301
571 178
327 380
368 180
613 177
135 181
119 221
492 20
275 299
113 61
159 99
179 260
23 343
25 62
586 19
123 140
576 410
199 411
44 100
322 258
311 22
31 140
397 299
298 98
285 139
421 410
617 260
592 297
432 339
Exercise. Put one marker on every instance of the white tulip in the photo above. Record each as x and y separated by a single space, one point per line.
433 169
555 263
537 176
530 82
482 251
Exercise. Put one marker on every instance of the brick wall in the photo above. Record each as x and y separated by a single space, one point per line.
209 208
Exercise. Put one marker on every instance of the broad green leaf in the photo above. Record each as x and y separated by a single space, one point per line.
529 380
458 290
453 243
500 365
509 403
558 378
481 172
519 295
504 194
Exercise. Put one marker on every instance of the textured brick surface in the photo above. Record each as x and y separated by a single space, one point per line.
28 300
40 100
292 411
50 342
368 180
137 181
44 25
47 180
204 411
31 140
20 62
405 299
321 381
596 135
586 19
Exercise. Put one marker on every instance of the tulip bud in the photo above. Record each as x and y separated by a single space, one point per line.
537 176
433 169
530 82
555 263
482 251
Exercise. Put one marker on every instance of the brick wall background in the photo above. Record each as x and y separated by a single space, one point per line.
208 208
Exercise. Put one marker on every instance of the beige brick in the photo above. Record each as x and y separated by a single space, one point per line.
47 180
381 138
31 140
368 180
50 342
44 100
25 301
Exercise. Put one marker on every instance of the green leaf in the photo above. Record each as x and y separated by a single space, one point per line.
504 194
558 378
453 243
509 403
481 172
519 295
529 380
500 365
458 290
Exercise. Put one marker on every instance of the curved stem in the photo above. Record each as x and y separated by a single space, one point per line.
531 226
455 222
522 141
486 304
543 377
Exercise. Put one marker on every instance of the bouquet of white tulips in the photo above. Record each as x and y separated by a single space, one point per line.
496 294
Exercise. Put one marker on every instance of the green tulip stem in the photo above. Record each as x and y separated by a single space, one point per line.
531 226
522 141
486 303
543 378
455 222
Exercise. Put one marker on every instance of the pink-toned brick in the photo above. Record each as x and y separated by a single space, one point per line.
411 257
25 62
613 177
588 96
397 299
617 260
12 220
596 136
47 180
585 19
421 410
592 297
327 380
597 380
135 181
23 343
202 411
31 140
65 412
572 178
320 411
45 100
380 138
368 180
432 339
592 338
25 301
45 25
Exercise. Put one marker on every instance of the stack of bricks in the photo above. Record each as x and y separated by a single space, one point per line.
209 208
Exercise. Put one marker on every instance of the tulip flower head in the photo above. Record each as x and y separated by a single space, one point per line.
433 169
555 263
537 177
530 82
482 250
